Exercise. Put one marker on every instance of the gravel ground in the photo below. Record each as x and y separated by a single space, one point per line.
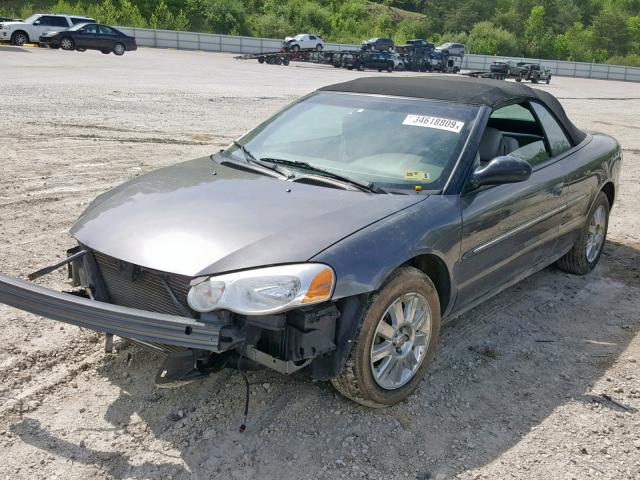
516 390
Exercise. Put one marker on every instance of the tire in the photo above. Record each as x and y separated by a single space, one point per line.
518 79
295 48
379 70
457 70
400 67
548 80
19 38
319 47
278 61
106 52
118 49
260 59
66 43
285 61
361 68
81 49
390 68
582 258
360 379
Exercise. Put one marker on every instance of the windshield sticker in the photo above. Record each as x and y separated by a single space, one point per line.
417 176
434 122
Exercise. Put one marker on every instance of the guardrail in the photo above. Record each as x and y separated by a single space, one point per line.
212 42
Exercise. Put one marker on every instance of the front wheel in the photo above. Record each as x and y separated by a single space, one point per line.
66 43
396 342
584 255
295 48
319 47
19 38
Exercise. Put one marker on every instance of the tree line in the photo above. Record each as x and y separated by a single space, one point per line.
577 30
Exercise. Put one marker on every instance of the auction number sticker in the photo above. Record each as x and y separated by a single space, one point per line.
434 122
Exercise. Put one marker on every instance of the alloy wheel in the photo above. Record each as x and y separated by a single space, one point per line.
20 39
66 44
400 342
596 233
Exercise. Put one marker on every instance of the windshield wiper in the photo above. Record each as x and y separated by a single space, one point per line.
250 158
367 186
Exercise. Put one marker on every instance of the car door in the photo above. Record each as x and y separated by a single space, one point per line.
107 37
49 23
510 230
86 37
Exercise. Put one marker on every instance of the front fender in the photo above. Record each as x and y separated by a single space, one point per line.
365 259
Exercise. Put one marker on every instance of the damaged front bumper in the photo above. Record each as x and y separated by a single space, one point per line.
140 325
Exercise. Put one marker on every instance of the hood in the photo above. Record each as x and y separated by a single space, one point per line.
12 24
184 219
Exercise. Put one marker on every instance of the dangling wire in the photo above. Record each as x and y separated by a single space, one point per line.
243 426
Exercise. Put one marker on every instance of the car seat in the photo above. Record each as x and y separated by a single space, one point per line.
495 144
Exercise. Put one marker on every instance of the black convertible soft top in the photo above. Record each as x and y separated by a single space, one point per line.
473 91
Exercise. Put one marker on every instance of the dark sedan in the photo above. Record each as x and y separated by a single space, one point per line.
90 36
340 233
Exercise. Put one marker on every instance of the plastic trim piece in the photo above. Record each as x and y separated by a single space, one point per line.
105 317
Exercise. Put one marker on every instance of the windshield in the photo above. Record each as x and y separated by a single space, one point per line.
392 142
32 18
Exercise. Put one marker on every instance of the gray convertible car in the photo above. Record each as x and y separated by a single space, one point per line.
339 234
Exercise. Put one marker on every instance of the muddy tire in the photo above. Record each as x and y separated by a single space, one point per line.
584 255
396 341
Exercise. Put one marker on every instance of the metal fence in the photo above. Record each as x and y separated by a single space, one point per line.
236 44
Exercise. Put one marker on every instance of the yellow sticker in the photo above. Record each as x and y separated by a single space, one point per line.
417 176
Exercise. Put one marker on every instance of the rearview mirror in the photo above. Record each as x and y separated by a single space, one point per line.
501 170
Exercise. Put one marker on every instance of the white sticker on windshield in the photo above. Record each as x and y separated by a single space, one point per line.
434 122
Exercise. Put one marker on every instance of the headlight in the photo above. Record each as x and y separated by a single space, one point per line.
265 290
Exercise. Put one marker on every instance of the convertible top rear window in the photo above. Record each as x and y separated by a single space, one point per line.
393 142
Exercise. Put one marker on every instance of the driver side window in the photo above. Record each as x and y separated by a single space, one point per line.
518 134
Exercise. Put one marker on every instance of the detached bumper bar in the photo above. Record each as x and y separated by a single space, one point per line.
122 321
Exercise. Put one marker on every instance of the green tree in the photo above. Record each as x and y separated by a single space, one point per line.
610 32
487 39
538 37
574 44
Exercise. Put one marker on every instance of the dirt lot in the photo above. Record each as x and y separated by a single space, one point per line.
515 392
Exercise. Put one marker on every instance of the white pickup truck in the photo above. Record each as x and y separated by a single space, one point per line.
29 30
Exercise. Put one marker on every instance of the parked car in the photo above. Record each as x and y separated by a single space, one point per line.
348 60
382 44
30 30
398 61
90 36
375 60
340 233
534 73
453 49
304 41
420 43
505 67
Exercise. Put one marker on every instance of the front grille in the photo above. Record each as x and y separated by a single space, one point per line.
137 287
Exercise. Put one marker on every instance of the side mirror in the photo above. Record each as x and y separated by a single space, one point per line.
37 22
501 170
